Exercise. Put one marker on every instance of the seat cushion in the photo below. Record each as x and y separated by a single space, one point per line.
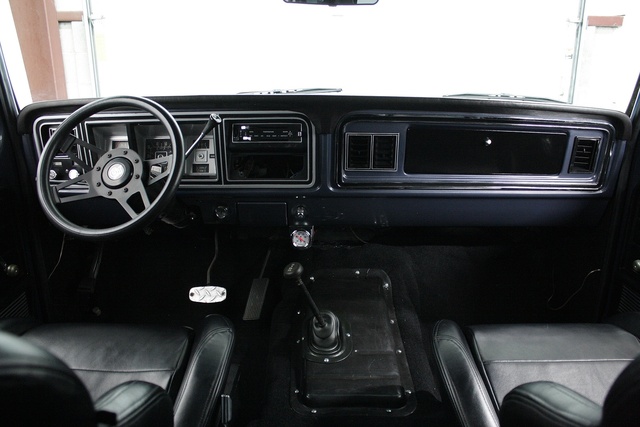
191 365
586 358
104 356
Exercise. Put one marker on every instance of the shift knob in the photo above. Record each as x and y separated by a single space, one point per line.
293 270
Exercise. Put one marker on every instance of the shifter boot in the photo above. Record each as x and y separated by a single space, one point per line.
326 338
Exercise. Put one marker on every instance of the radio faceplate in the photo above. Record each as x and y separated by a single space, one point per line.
270 149
267 132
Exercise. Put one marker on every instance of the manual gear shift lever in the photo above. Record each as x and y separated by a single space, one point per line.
294 271
325 326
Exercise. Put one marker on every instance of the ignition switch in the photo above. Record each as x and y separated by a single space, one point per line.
222 212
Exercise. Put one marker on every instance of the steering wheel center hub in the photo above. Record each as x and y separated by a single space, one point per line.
117 172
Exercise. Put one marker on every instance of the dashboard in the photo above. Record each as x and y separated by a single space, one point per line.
304 160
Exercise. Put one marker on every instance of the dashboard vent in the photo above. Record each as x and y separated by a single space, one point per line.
359 152
365 151
583 158
384 151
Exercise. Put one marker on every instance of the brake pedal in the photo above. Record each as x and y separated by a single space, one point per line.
207 294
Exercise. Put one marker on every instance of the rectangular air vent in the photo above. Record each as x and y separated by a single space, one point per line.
358 152
584 155
371 151
384 151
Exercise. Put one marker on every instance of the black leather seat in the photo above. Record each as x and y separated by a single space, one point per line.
117 366
549 404
482 366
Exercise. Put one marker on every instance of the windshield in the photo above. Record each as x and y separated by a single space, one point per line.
580 52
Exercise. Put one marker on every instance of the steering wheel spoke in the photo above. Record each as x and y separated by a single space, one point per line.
72 141
68 183
88 194
158 168
137 199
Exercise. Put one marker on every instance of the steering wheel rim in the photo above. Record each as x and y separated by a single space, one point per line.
117 174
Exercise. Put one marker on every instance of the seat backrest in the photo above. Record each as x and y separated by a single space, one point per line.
38 389
622 405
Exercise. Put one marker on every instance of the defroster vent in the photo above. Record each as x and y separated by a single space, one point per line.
368 151
583 159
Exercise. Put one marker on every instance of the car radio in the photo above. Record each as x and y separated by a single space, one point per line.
267 132
272 149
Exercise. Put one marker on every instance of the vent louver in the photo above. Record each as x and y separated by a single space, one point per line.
384 151
358 152
371 151
584 155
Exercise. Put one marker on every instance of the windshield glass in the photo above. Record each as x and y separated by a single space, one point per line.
580 52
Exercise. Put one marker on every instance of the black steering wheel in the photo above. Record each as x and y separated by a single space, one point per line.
143 188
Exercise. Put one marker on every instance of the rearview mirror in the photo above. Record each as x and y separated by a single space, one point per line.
334 2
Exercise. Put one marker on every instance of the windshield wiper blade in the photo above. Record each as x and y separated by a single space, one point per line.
293 91
504 96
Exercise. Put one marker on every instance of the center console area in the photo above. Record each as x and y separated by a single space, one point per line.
348 358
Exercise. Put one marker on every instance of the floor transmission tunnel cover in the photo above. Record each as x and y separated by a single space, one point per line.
372 375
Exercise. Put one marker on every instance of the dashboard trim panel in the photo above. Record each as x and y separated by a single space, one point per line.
334 196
